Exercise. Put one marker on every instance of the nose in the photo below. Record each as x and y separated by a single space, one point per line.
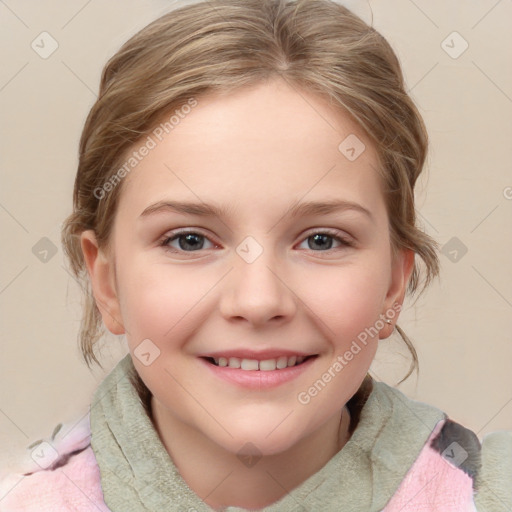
257 292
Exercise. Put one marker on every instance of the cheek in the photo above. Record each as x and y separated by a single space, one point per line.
158 300
347 299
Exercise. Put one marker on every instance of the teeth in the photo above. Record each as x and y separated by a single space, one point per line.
282 362
250 364
253 364
234 362
267 365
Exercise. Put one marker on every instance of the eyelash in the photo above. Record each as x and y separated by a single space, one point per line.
345 242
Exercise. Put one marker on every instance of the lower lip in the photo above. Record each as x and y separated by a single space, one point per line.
258 379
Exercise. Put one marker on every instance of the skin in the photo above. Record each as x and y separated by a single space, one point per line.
257 152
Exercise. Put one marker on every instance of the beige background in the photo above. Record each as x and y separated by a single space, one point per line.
461 327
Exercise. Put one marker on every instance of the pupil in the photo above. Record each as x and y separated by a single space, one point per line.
189 241
321 239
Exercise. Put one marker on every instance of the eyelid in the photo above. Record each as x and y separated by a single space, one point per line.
328 231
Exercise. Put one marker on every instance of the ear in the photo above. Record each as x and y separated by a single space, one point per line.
101 274
401 270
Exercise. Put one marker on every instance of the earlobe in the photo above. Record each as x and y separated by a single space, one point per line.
402 268
101 275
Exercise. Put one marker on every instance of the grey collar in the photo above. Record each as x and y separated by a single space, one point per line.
138 474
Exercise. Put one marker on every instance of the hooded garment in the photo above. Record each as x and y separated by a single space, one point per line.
403 455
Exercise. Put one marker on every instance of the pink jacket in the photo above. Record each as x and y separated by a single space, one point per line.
72 481
453 470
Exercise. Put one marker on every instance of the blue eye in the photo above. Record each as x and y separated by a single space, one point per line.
192 241
188 241
324 241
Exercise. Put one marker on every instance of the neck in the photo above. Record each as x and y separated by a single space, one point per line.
220 480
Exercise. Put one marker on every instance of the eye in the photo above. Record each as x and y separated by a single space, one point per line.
323 240
193 241
186 241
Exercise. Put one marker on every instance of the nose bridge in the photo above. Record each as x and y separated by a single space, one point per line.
257 291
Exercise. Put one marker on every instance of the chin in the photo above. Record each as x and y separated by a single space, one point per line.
258 443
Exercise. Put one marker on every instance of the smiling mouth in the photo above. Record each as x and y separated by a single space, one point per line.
255 365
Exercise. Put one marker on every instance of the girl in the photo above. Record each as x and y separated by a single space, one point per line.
244 214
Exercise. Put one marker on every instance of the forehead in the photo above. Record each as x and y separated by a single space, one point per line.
260 145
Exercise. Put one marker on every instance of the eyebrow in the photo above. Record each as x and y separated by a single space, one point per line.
298 210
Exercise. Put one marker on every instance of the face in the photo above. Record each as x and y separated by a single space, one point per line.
247 235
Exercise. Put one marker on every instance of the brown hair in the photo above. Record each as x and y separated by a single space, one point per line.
221 45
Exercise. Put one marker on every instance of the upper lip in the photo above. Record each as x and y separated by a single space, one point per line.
258 355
